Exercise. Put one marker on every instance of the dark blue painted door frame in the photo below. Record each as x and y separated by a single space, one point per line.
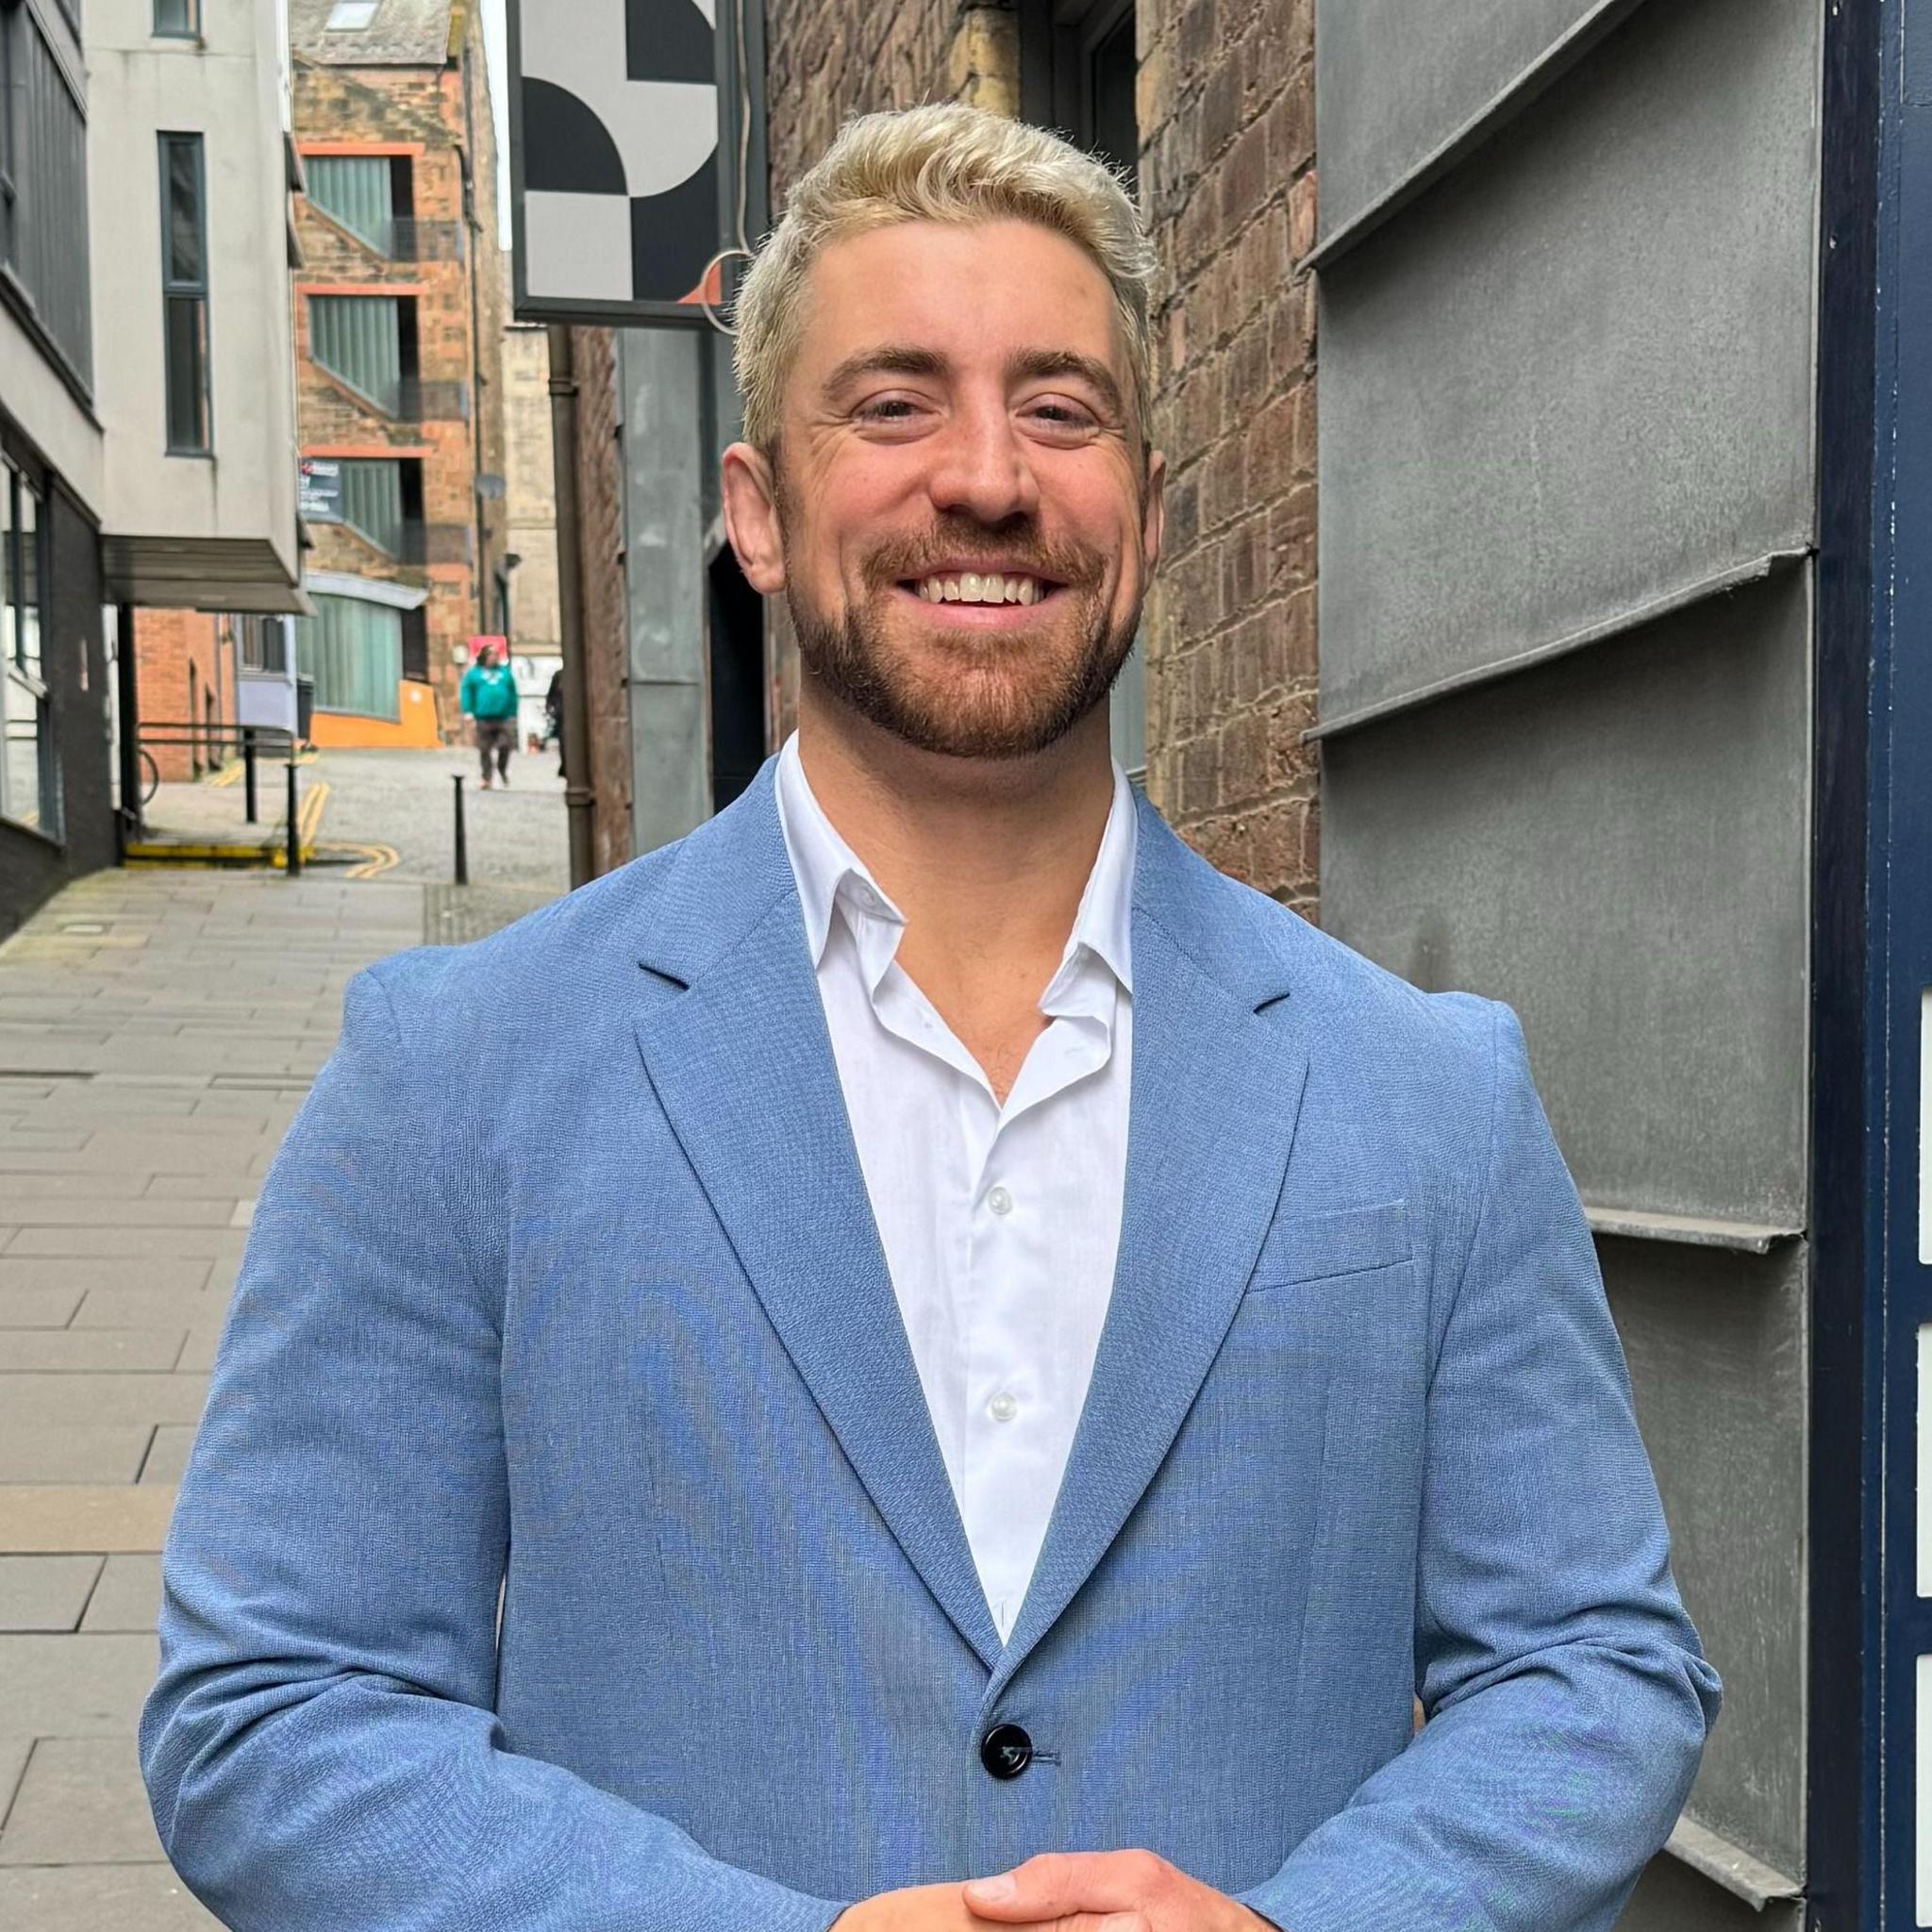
1899 904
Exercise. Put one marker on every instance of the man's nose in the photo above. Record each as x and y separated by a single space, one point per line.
982 468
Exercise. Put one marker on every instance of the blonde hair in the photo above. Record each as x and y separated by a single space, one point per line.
945 163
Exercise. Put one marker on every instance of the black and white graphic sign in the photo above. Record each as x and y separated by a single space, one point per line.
614 157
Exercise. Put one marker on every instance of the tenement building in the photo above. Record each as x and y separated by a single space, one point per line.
399 320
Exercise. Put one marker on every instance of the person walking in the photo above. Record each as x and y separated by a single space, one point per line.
552 716
488 695
990 1365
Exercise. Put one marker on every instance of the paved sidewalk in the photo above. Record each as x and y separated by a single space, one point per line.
157 1030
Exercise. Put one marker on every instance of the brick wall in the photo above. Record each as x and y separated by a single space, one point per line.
184 672
1225 106
435 117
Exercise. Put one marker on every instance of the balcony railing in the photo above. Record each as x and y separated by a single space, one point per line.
401 238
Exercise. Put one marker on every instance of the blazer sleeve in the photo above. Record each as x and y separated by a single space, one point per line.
320 1748
1566 1695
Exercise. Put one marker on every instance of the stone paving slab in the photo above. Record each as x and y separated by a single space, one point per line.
76 1687
100 1898
128 1597
80 1801
78 1400
38 1307
77 1351
165 1308
45 1593
167 1454
81 1274
55 1518
86 1453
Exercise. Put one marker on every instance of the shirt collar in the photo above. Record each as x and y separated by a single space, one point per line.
823 864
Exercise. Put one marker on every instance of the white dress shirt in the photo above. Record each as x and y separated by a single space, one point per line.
1000 1223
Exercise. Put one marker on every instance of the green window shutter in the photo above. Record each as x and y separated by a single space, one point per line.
373 502
359 339
354 652
356 192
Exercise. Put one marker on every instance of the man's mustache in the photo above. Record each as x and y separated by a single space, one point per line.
1075 566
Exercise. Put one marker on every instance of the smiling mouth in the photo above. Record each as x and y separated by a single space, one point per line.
979 587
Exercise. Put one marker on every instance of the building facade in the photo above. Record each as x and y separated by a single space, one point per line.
191 170
399 322
57 794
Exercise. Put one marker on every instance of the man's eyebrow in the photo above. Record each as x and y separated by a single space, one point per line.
1088 369
885 358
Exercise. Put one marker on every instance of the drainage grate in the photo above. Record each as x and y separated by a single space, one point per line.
44 1073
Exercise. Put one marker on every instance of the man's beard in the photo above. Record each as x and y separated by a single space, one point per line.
1000 696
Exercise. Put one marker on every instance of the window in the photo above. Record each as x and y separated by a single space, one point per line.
351 16
178 20
354 652
373 502
184 291
30 791
264 646
368 194
416 645
368 342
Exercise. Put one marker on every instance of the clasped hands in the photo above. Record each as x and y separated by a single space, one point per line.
1062 1891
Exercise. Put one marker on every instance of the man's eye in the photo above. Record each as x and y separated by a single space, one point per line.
887 409
1061 415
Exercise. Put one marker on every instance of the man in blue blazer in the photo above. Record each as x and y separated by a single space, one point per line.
989 1366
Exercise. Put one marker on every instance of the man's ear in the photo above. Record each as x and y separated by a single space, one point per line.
1154 510
750 518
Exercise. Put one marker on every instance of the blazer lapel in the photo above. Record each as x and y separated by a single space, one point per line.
733 1034
1216 1089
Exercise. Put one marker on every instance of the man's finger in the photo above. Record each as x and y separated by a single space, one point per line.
1062 1885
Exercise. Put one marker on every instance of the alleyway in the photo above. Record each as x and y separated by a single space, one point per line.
158 1031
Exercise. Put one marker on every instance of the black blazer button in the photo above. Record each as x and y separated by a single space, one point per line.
1006 1751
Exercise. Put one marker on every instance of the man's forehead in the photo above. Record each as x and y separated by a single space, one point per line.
962 290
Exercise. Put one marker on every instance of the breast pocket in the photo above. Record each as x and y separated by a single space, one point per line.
1320 1247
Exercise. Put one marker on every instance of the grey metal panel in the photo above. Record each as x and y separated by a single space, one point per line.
1575 379
1716 1347
659 375
1671 1898
1616 844
1396 82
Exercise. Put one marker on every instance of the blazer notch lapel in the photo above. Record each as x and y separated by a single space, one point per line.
742 1064
1216 1092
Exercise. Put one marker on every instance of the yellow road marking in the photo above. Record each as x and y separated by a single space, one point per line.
381 859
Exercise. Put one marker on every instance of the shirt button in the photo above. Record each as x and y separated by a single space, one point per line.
1000 1201
1003 1408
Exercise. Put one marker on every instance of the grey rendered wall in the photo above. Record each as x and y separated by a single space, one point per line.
658 377
1566 613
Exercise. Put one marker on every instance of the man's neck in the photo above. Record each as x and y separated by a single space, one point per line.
987 859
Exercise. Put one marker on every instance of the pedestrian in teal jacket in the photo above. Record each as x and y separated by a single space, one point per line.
489 695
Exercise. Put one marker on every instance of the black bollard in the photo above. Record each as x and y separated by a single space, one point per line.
295 829
463 840
249 807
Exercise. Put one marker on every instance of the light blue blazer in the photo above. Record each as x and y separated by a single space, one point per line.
597 1322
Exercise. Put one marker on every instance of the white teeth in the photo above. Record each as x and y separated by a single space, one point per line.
980 587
